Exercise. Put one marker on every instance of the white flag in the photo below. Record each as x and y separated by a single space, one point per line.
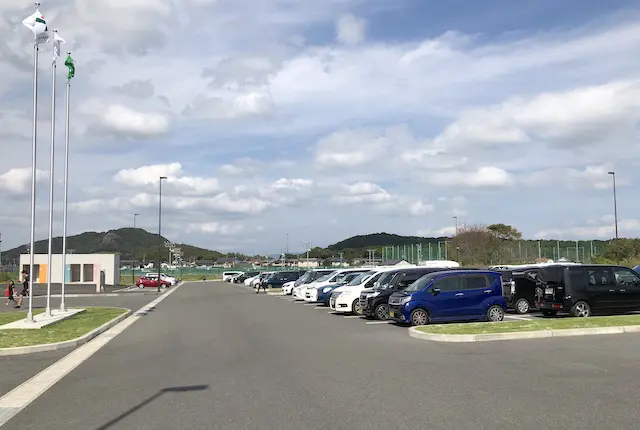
38 26
57 41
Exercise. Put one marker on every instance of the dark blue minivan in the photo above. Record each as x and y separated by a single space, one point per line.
453 295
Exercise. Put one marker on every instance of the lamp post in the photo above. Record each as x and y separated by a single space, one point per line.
160 227
456 220
133 254
615 212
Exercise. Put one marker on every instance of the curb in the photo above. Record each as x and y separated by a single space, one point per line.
22 350
275 294
538 334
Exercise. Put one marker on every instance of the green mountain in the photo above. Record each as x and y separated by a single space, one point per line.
378 240
120 241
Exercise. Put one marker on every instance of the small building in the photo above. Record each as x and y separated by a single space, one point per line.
80 268
309 263
395 262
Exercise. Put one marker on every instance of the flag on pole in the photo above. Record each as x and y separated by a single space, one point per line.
71 65
57 41
38 27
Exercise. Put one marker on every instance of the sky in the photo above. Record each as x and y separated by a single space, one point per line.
318 121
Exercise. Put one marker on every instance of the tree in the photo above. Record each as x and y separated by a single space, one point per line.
504 232
477 245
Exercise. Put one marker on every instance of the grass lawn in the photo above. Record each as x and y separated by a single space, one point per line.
533 325
68 329
189 278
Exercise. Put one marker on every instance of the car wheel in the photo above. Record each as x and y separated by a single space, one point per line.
355 307
419 317
581 310
495 313
522 306
382 312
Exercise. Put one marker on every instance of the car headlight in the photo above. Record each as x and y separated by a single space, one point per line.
326 289
405 300
376 294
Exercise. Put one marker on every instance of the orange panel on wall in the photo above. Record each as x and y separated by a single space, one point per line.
42 276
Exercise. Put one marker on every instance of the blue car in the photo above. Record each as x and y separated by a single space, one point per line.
454 295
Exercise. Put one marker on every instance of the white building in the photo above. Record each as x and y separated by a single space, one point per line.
80 268
309 264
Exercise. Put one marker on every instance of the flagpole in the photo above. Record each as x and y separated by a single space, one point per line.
33 179
66 190
51 175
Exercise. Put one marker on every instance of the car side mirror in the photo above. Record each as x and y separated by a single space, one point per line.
436 291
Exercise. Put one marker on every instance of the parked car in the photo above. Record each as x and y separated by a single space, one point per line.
587 289
374 302
227 276
452 295
309 278
244 276
277 279
346 299
312 290
519 287
170 279
151 282
324 293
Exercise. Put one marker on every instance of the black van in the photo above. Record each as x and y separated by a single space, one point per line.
374 301
586 289
519 287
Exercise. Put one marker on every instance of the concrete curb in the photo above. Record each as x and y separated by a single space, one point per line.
275 294
22 350
539 334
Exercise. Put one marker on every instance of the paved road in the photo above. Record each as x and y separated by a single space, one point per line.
17 369
218 356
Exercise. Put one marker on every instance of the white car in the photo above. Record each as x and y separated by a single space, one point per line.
170 279
228 276
300 286
346 299
311 292
249 281
287 287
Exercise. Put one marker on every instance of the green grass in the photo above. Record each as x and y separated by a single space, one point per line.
533 325
68 329
189 278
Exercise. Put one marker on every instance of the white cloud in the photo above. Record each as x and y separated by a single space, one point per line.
215 228
486 176
439 232
176 180
350 29
18 181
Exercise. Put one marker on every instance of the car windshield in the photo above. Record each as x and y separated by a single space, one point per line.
389 282
385 278
304 279
323 278
356 280
421 283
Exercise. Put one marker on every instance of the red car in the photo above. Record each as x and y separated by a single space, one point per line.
144 282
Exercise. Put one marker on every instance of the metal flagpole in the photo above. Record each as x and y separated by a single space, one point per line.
51 175
66 191
33 179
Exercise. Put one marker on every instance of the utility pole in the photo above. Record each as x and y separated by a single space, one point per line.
539 250
456 219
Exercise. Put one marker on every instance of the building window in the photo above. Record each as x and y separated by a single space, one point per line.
87 273
75 272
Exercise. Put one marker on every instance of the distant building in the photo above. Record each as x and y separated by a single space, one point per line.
103 269
308 264
395 262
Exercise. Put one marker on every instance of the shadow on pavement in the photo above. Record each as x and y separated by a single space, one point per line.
142 404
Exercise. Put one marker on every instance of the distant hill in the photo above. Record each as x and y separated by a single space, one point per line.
120 241
378 240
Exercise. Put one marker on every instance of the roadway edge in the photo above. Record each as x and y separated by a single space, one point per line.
23 350
538 334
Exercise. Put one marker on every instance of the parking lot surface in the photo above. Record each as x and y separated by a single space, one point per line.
218 356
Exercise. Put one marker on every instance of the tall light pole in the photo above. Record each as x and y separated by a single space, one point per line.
160 227
456 220
133 253
615 202
615 212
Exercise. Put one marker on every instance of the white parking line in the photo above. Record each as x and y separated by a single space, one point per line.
378 322
352 316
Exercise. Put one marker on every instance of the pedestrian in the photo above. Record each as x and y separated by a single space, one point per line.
263 285
8 292
25 289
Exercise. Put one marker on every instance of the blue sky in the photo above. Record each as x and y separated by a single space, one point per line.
323 120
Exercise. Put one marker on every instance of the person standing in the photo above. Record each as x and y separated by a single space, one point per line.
25 289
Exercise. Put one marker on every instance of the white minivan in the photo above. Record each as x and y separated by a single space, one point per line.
228 276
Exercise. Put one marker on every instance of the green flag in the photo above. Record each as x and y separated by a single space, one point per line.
71 65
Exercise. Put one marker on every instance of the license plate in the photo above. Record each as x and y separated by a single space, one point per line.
391 314
548 290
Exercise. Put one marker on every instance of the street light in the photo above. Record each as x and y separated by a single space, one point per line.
615 202
160 227
133 256
456 219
